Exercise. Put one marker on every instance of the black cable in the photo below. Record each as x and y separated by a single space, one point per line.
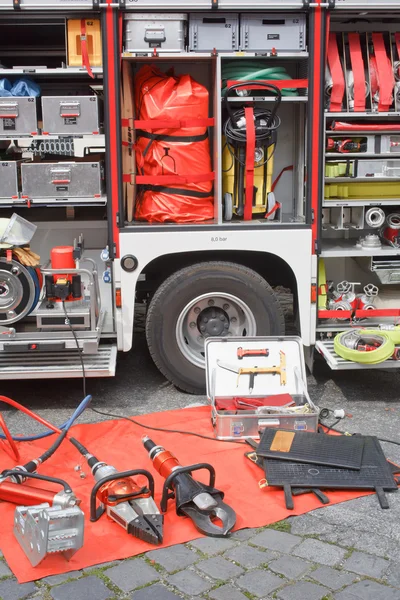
79 349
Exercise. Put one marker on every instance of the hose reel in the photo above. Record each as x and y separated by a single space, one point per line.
19 291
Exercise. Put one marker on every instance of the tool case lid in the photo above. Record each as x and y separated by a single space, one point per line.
222 383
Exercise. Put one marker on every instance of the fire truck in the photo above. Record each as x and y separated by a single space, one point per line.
193 156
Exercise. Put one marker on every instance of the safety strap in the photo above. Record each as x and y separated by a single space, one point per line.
281 84
385 73
357 65
335 67
343 126
397 42
273 210
171 138
176 191
168 179
85 53
276 181
168 124
250 153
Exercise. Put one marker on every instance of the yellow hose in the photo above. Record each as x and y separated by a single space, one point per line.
389 338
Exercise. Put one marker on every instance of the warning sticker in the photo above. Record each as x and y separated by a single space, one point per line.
70 121
282 441
273 36
9 124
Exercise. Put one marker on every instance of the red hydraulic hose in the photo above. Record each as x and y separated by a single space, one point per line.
29 413
9 438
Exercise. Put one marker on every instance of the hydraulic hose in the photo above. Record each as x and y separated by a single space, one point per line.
248 70
345 345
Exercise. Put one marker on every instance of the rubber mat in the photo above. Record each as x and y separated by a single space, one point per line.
375 473
335 451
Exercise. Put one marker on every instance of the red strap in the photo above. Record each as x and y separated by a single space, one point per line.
85 53
169 179
168 124
273 210
281 84
250 152
335 67
357 65
343 126
276 181
397 41
385 73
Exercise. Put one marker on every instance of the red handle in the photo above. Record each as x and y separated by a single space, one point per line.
260 352
55 181
8 116
70 114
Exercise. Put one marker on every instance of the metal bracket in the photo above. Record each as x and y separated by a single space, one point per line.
329 4
214 4
45 529
17 4
95 4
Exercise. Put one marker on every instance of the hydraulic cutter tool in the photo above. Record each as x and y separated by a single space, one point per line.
253 371
123 500
202 503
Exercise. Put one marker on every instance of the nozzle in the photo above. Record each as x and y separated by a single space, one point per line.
148 443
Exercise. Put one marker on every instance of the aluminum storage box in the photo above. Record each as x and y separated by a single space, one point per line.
210 30
70 115
62 180
8 181
146 31
224 384
18 116
284 32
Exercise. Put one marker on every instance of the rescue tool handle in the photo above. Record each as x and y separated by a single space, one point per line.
180 471
241 353
25 474
96 513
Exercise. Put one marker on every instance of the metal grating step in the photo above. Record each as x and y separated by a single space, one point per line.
337 363
46 365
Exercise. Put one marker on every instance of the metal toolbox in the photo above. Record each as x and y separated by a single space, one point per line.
145 31
8 181
18 116
224 384
284 32
210 30
75 180
70 115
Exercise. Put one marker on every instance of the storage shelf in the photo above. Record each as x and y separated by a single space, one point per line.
342 248
361 180
22 203
362 115
267 99
89 136
360 133
226 55
354 203
359 155
59 71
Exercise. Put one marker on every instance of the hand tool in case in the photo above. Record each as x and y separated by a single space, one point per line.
253 371
201 503
123 500
241 353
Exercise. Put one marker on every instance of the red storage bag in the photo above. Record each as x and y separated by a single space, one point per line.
175 180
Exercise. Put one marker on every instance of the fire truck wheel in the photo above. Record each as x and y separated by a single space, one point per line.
210 299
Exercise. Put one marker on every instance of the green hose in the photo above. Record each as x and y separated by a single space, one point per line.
249 70
388 338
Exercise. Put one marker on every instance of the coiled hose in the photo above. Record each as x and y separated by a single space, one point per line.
345 344
249 70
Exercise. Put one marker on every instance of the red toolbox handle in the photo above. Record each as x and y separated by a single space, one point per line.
55 181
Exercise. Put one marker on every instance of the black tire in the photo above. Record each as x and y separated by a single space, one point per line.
183 286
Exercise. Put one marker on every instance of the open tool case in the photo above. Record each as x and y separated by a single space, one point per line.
224 384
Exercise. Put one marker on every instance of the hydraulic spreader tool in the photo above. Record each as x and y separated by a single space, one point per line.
123 500
201 503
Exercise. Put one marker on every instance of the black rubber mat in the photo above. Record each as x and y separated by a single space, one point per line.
375 473
317 448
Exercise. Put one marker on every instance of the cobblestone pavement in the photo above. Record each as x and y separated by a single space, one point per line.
349 551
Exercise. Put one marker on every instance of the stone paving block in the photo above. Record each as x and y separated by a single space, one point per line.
189 583
105 565
57 579
10 589
174 558
259 583
154 592
364 541
368 590
4 570
219 568
249 557
212 546
365 564
132 574
290 566
303 590
87 588
226 592
276 540
319 552
332 578
307 524
392 575
243 534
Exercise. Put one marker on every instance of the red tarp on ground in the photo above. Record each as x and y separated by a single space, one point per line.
119 443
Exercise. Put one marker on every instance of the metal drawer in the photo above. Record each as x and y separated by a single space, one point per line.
70 115
262 31
9 180
212 30
18 116
145 31
62 180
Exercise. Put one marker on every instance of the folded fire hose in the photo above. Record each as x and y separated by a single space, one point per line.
368 346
